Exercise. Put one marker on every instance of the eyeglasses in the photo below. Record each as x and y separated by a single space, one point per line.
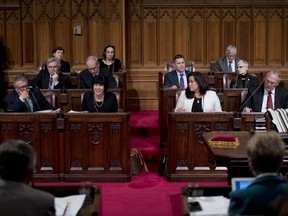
24 87
270 83
94 68
240 66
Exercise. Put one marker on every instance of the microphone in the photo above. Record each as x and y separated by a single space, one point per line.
246 100
30 87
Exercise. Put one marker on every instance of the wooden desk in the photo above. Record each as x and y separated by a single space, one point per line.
188 158
167 103
74 146
235 159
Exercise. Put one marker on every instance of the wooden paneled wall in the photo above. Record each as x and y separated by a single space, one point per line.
146 34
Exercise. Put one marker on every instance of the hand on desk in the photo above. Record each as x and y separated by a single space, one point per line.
179 110
247 109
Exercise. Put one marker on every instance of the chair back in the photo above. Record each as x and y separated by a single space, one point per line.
116 78
50 97
243 95
227 78
177 95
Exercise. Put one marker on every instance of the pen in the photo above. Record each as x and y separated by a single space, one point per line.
65 210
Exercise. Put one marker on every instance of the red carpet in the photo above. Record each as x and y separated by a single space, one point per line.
147 194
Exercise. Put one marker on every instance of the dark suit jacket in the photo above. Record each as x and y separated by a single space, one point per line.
249 81
19 199
255 102
222 64
14 104
171 78
86 78
42 80
256 197
110 103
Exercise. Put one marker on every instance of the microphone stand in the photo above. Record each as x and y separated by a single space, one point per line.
237 114
30 87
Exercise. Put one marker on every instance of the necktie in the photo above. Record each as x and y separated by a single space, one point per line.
181 81
230 66
28 105
269 101
50 83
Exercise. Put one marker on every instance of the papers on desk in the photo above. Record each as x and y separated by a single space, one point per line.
69 205
49 111
73 111
211 205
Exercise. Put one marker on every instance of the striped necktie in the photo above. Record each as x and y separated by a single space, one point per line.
230 66
181 81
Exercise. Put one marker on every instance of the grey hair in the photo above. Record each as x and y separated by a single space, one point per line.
53 59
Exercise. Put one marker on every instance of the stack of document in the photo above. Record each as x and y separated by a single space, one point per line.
210 205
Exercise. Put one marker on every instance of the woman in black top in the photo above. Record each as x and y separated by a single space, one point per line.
109 62
99 100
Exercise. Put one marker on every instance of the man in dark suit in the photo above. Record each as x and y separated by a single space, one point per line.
177 78
86 76
259 95
265 155
17 160
24 99
228 62
52 78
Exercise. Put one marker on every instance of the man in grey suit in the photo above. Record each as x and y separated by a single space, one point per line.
228 62
17 198
177 78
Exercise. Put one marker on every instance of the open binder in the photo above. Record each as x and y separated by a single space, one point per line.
279 119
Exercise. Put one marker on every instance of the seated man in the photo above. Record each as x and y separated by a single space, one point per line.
53 78
86 76
267 95
177 78
243 78
265 155
25 99
228 62
17 161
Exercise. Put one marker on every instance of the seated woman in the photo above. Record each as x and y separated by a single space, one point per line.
109 62
197 97
243 79
99 100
